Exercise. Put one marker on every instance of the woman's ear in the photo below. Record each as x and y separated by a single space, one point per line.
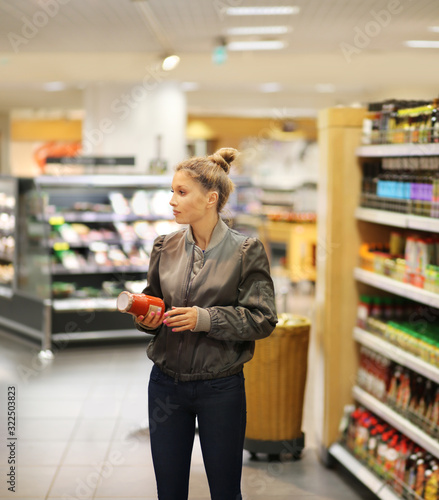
212 198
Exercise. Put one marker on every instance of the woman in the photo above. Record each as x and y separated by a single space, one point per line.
219 299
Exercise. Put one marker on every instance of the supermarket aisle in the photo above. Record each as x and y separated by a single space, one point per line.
82 431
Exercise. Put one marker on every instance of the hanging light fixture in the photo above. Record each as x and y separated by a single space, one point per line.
170 62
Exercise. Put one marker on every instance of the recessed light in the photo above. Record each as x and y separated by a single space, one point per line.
435 29
189 86
54 86
422 44
258 30
262 11
325 88
256 45
270 87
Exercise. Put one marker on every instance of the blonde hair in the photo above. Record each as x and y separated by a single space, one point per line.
212 172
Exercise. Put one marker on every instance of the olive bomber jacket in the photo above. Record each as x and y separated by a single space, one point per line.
233 291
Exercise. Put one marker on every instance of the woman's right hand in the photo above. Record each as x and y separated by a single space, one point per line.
151 320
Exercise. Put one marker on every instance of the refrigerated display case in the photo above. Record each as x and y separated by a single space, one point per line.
81 240
8 196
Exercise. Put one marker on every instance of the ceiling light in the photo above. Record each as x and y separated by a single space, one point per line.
262 11
435 29
423 44
54 86
325 88
256 45
170 62
258 30
189 86
269 88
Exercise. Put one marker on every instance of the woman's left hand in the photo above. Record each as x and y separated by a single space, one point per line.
181 318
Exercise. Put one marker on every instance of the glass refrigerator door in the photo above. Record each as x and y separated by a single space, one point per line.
33 253
8 195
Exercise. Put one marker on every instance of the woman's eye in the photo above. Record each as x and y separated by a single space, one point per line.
182 193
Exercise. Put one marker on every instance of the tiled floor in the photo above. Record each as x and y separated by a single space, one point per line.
82 431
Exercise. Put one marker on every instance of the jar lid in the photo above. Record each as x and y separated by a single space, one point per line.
124 301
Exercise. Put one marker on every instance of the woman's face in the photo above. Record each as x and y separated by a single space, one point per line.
189 200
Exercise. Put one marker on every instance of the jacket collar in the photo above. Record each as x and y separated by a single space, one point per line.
218 234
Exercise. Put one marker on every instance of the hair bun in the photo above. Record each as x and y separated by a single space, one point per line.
224 157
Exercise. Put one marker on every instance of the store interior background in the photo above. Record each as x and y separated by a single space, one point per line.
87 73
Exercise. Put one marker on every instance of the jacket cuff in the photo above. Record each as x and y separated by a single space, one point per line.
203 320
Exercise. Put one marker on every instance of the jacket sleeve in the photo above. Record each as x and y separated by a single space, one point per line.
153 287
254 316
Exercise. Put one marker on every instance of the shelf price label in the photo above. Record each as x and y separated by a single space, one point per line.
56 220
61 245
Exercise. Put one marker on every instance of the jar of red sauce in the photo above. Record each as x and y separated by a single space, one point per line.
139 304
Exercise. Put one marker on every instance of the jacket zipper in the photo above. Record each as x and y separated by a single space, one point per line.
188 287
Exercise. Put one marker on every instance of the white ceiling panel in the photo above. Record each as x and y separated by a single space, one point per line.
84 42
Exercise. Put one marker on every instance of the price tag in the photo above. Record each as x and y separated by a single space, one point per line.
61 245
56 220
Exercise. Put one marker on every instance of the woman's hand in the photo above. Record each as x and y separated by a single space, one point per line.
181 318
150 320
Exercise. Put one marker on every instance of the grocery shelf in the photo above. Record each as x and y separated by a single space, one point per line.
361 472
402 289
89 217
381 216
87 244
403 425
106 181
58 269
397 219
7 232
74 304
6 291
396 354
96 335
384 150
422 223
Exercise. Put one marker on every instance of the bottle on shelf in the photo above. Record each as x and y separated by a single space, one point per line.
434 130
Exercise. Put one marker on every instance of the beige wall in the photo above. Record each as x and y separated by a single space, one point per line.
231 131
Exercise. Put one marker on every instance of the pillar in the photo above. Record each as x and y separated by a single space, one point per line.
126 120
5 138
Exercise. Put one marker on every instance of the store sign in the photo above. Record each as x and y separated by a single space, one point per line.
92 160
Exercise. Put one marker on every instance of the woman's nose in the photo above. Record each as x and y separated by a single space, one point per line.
172 202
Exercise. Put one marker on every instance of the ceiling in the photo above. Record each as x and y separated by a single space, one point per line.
337 52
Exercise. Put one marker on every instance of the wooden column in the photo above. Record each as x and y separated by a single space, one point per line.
337 255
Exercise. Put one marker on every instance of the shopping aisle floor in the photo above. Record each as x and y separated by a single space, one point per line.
82 431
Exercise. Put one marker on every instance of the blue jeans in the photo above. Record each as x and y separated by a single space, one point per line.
220 407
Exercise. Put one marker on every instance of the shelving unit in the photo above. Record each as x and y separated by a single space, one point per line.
367 477
406 221
398 288
396 420
91 276
344 226
395 219
396 354
392 150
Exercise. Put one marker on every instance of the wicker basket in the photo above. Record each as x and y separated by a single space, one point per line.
275 382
